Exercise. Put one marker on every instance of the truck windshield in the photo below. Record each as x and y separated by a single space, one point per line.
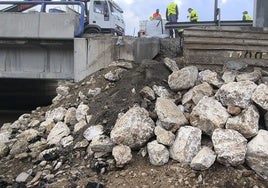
115 11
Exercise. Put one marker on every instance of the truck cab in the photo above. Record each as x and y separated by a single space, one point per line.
104 16
101 16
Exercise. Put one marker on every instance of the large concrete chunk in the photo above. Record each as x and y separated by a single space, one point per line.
66 141
30 135
183 79
93 131
148 93
162 92
4 136
169 114
229 76
204 159
114 75
158 153
57 133
186 145
163 136
210 77
122 154
260 96
80 125
236 93
70 118
235 65
81 112
101 143
171 64
230 146
253 76
246 123
22 177
19 146
56 114
4 149
134 128
197 93
257 154
63 90
208 115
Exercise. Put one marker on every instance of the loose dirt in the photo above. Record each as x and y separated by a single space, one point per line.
78 169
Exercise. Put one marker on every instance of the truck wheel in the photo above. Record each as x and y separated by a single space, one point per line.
92 30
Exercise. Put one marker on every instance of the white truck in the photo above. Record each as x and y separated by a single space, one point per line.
102 16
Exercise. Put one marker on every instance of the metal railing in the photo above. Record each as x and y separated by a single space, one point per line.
181 25
30 4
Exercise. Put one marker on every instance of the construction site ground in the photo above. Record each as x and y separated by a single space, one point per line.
118 97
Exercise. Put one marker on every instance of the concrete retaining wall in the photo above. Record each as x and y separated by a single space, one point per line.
93 52
70 59
36 60
38 25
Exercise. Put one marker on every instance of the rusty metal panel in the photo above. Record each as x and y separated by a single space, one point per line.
212 46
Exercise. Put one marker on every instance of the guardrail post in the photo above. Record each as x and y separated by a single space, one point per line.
215 10
260 13
43 7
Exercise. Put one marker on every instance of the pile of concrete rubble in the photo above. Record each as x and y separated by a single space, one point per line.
213 117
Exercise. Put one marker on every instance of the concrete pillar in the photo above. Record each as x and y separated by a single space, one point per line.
94 53
260 13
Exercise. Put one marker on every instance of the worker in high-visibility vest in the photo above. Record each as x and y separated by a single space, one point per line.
172 14
193 15
246 16
157 15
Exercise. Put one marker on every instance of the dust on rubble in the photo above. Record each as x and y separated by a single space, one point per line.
118 97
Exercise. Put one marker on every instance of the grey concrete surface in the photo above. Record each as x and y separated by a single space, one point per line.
93 53
146 48
70 59
48 56
38 25
260 13
137 49
38 61
19 25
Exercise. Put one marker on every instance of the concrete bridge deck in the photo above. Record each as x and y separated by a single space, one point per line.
44 46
